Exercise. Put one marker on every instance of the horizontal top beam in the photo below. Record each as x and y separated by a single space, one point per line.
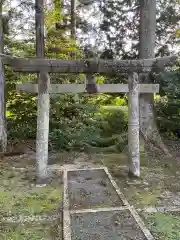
81 88
33 65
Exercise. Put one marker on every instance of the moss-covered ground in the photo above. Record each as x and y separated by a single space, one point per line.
159 185
21 199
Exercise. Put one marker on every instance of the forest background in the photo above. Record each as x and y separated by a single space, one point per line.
107 30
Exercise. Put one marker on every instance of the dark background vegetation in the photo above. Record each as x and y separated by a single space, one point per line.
98 121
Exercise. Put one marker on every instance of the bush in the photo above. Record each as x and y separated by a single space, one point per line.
21 130
115 120
168 117
168 105
72 125
100 129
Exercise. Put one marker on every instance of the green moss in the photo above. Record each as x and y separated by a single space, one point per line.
148 198
31 232
19 195
164 226
114 160
40 200
21 234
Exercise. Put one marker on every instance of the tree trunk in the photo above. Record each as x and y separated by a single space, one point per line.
148 127
133 126
73 36
73 19
3 132
43 101
91 86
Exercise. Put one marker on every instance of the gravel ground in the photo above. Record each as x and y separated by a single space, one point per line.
117 225
90 189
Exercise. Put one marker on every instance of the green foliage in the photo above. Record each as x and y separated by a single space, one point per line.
169 82
91 127
84 121
168 116
24 232
107 99
164 226
34 203
22 107
168 106
114 120
121 23
119 101
77 131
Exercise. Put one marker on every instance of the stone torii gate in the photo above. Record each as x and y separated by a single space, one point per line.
133 88
89 66
43 67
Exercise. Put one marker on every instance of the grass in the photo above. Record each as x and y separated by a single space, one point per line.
164 226
31 231
20 196
158 176
115 108
38 201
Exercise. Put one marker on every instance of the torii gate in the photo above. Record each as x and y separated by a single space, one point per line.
132 67
88 67
133 88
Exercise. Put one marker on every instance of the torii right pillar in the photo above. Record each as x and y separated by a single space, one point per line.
133 126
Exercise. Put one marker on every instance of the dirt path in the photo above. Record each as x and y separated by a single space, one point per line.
91 189
97 210
112 225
